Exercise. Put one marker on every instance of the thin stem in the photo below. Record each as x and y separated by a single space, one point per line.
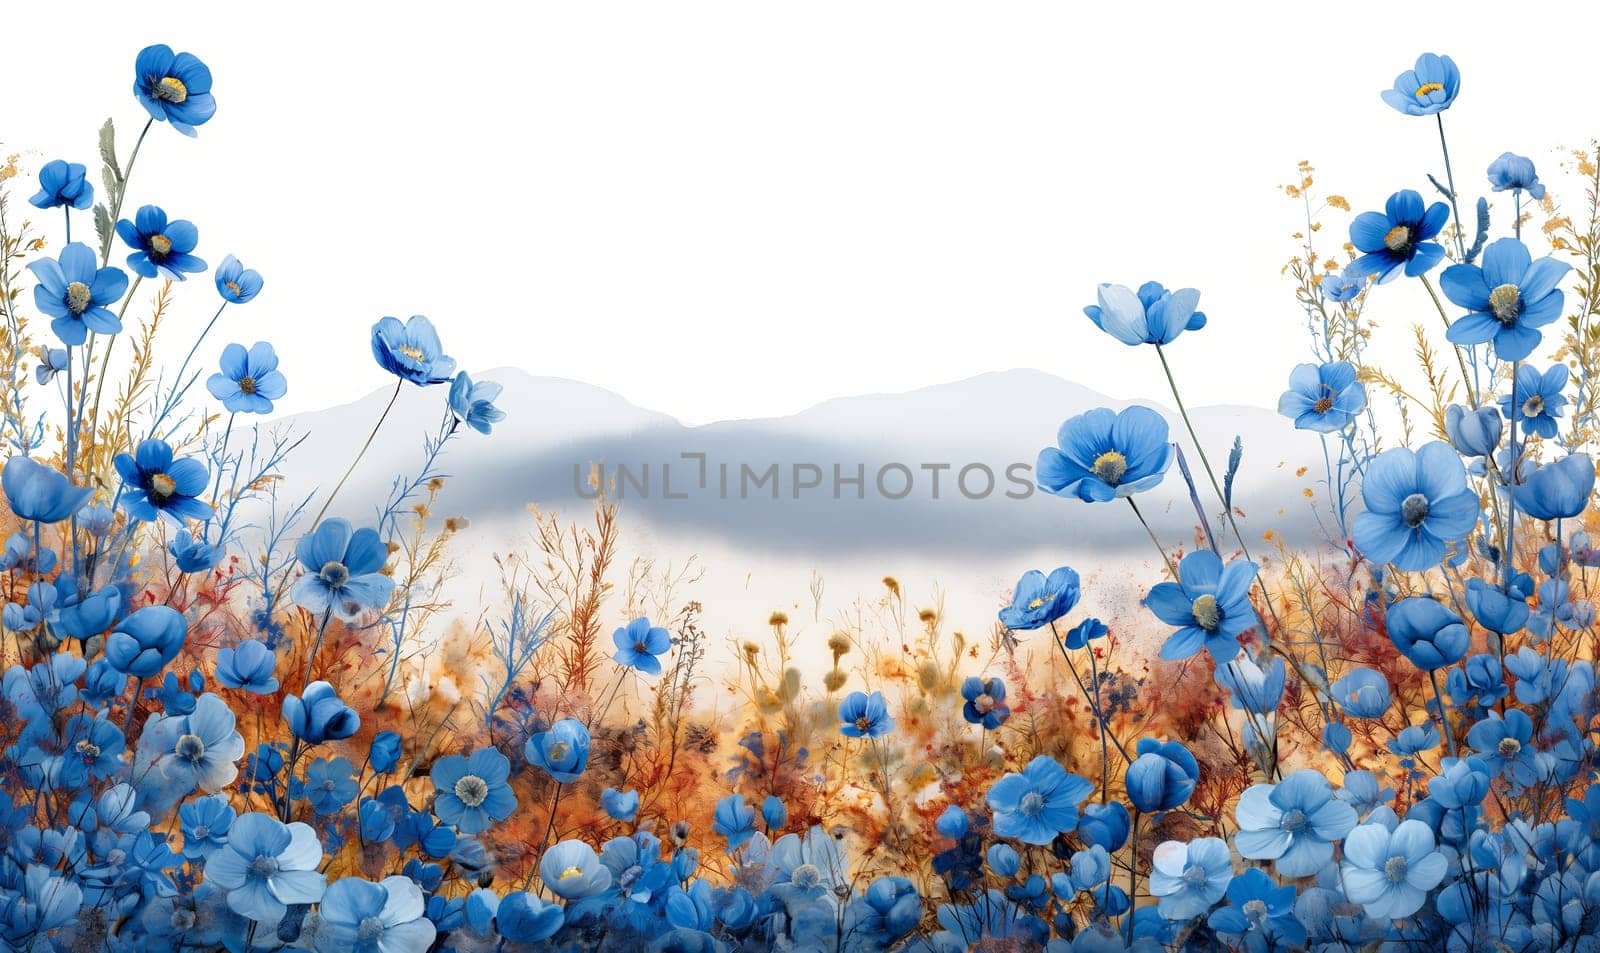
1511 510
1133 873
1444 719
370 437
1172 567
316 646
533 866
105 359
1466 376
177 381
122 193
1450 180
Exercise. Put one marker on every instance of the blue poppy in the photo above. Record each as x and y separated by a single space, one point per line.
1259 906
385 753
1105 825
525 918
774 813
734 819
142 644
236 283
572 871
317 715
1504 746
1085 632
1511 172
52 361
1536 400
343 570
1558 490
561 752
471 793
1363 693
1475 433
1210 605
385 917
1429 87
174 87
1417 503
1324 398
1340 287
249 380
1152 316
154 484
1104 455
864 716
329 785
40 493
1294 823
1161 777
250 666
1461 783
985 702
1038 803
1427 633
620 805
205 822
201 749
411 351
473 403
639 645
160 247
75 292
63 183
1190 878
1040 600
1250 687
1389 873
267 865
1508 298
193 553
1495 609
1396 240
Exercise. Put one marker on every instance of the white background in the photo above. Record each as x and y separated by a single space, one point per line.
739 209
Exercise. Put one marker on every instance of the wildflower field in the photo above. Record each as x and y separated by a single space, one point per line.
231 720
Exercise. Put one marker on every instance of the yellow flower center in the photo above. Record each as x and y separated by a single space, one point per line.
1207 615
558 752
247 385
233 286
171 89
162 485
1506 303
78 297
160 245
1509 747
571 872
1039 601
1110 467
414 353
863 724
1398 239
1427 88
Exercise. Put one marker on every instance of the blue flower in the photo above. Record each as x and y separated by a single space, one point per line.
75 292
250 666
411 351
52 361
1323 398
1510 171
154 484
65 183
201 749
1504 746
160 247
1341 287
1105 455
250 380
142 644
1255 903
1396 240
1161 777
985 702
205 822
1494 609
1210 605
1040 600
1417 503
562 752
236 283
1390 873
773 812
343 570
1250 687
1558 490
1105 825
889 909
267 865
1427 633
1153 316
1428 88
620 805
193 554
1508 298
40 493
1536 400
317 715
525 918
473 404
1190 878
571 870
385 917
329 785
1294 823
1084 632
387 747
864 716
1363 693
1475 433
735 820
471 793
1037 804
639 644
174 87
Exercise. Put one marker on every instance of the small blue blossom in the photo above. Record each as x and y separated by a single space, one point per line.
640 645
471 793
473 403
411 351
236 283
249 380
1210 605
1427 88
160 247
864 716
1324 398
1508 172
1103 455
1038 803
77 294
1040 600
174 87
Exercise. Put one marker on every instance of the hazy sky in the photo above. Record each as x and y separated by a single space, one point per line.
739 209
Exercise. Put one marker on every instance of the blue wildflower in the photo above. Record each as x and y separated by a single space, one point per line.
639 645
985 702
236 283
1427 632
1103 455
387 747
142 644
174 87
1390 873
343 570
1294 823
471 793
1340 287
1508 298
1396 240
1427 88
249 380
620 805
1508 172
1417 504
1504 746
1250 687
250 666
1161 777
1040 600
1038 803
411 351
317 715
1190 878
329 785
1085 632
572 871
154 484
473 403
52 361
160 247
1363 693
525 918
384 917
1558 490
1496 610
1105 825
1536 400
1475 433
267 865
40 493
1210 605
63 183
562 752
1152 316
1257 905
773 813
76 293
864 716
1324 398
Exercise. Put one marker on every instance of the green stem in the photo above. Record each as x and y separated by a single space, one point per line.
1172 567
122 193
1450 180
364 447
